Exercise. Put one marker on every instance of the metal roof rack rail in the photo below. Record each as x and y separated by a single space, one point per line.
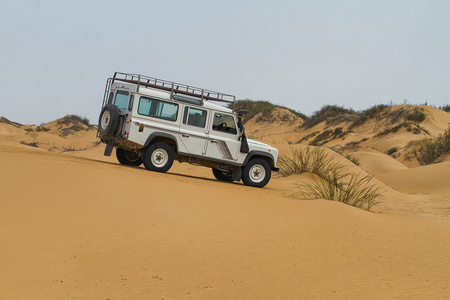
174 88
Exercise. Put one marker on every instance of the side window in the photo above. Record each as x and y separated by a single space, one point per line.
121 99
130 105
224 123
195 117
168 111
158 109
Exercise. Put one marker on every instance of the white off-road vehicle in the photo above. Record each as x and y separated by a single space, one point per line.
154 121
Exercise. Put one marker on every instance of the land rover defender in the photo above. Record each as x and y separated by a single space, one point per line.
155 122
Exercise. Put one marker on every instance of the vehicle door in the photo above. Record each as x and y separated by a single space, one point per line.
122 99
193 130
223 140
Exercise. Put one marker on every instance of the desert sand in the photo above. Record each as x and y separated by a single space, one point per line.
77 225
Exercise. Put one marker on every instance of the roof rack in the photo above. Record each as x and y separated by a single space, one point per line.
174 88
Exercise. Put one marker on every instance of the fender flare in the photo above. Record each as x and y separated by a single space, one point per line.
258 153
164 135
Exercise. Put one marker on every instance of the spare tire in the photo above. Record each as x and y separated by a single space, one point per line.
109 120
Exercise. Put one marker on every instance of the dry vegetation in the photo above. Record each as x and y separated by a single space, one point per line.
428 151
262 110
386 128
332 181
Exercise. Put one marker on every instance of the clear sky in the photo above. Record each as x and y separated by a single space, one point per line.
55 56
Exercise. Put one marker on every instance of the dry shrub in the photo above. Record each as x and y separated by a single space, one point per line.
416 116
333 182
309 159
332 115
73 119
428 151
352 158
350 189
263 109
32 144
445 108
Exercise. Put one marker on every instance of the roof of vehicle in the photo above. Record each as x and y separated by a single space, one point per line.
214 106
175 91
166 96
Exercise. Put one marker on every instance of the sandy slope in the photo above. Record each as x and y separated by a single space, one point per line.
84 227
389 132
376 163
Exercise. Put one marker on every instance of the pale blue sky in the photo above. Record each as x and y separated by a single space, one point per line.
55 56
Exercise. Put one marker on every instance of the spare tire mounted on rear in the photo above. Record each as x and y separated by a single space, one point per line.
109 120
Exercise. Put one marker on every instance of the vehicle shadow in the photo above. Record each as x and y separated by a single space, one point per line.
142 169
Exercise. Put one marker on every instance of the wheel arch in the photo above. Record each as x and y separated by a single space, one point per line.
259 154
162 137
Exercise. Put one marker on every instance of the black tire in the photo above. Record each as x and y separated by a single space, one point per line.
158 157
256 173
222 176
128 158
108 121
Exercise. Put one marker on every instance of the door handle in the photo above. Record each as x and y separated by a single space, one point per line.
214 141
185 135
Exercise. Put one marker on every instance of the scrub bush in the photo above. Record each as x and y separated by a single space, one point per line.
333 182
428 151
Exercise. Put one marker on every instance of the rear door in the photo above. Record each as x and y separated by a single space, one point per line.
121 101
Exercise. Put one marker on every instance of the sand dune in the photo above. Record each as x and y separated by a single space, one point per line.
391 130
80 226
426 179
437 120
376 163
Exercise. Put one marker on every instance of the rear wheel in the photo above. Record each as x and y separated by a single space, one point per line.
129 158
158 157
256 173
222 176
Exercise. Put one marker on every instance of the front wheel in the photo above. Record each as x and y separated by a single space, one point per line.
256 173
158 157
128 158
